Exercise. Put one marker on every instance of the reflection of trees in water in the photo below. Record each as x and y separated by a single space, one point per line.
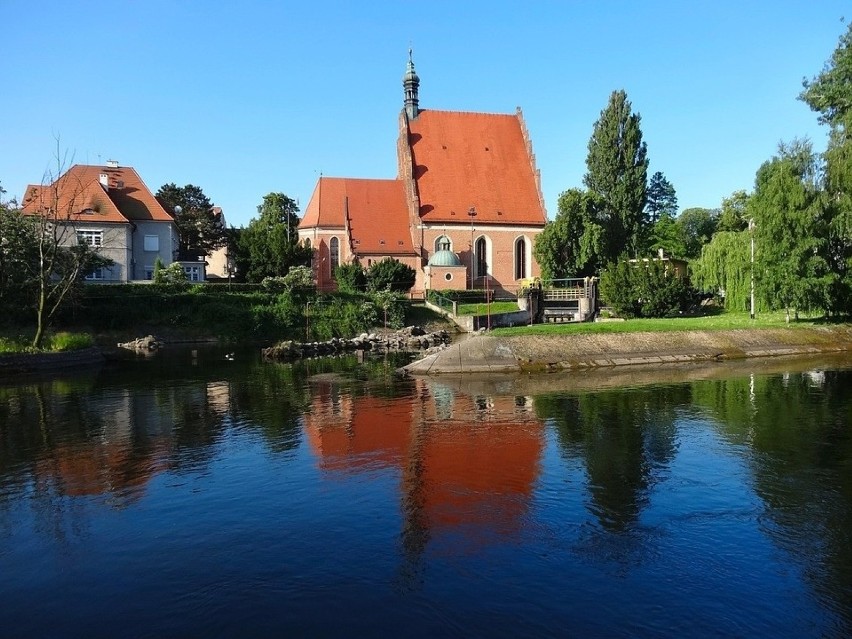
797 428
626 439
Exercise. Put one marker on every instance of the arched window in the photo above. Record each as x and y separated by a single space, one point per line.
307 242
481 258
334 254
443 244
520 259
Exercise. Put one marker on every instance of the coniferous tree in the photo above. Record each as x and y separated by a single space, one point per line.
661 198
617 169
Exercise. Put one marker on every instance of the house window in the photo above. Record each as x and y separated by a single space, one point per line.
152 243
149 272
481 258
92 238
448 277
334 254
193 273
307 243
520 259
443 244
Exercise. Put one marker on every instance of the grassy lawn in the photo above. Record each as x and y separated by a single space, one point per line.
482 308
52 343
722 321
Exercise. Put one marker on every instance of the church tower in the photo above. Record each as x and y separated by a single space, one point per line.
411 84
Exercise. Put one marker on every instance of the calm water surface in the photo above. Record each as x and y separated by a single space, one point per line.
194 496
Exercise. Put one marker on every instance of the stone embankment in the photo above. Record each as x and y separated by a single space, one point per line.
413 338
489 354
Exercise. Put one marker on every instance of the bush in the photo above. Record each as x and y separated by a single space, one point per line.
390 274
645 290
351 278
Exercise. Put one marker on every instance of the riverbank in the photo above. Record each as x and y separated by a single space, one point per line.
483 353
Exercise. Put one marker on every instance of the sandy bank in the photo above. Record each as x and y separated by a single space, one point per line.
489 354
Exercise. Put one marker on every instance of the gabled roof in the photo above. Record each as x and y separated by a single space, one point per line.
482 160
374 211
79 194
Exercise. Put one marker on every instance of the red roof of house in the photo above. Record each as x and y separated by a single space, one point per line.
474 159
79 194
376 209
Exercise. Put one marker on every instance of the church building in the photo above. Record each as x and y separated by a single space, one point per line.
463 211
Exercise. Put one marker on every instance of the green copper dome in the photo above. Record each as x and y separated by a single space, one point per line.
444 258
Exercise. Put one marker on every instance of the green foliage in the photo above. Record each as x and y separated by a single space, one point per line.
790 231
661 198
830 94
269 246
725 268
734 213
647 289
351 278
171 276
697 226
667 234
391 306
390 274
65 341
200 227
299 279
471 296
617 169
571 244
341 316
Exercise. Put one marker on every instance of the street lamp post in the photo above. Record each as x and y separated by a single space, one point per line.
471 214
751 234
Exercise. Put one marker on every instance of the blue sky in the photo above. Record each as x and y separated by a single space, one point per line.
247 98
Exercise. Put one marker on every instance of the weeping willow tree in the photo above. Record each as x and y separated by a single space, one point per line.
725 267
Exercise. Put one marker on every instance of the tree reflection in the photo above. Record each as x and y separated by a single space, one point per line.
626 439
797 428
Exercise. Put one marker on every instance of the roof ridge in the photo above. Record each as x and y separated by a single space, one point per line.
508 115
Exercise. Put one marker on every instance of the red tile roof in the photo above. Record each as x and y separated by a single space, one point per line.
79 194
377 213
474 159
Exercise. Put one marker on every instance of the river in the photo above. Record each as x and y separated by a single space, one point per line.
198 494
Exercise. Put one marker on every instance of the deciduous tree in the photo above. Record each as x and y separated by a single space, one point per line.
571 244
830 95
697 226
270 245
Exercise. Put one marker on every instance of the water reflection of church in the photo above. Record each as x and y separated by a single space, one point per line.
468 465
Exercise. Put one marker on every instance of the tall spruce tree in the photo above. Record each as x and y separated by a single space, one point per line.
661 198
617 171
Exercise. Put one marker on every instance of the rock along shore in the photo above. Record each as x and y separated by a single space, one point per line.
488 354
412 338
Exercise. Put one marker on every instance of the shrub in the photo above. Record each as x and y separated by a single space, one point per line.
390 274
351 278
645 290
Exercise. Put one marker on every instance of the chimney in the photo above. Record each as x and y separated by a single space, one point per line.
660 253
103 178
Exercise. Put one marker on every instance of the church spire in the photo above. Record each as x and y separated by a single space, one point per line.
411 84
